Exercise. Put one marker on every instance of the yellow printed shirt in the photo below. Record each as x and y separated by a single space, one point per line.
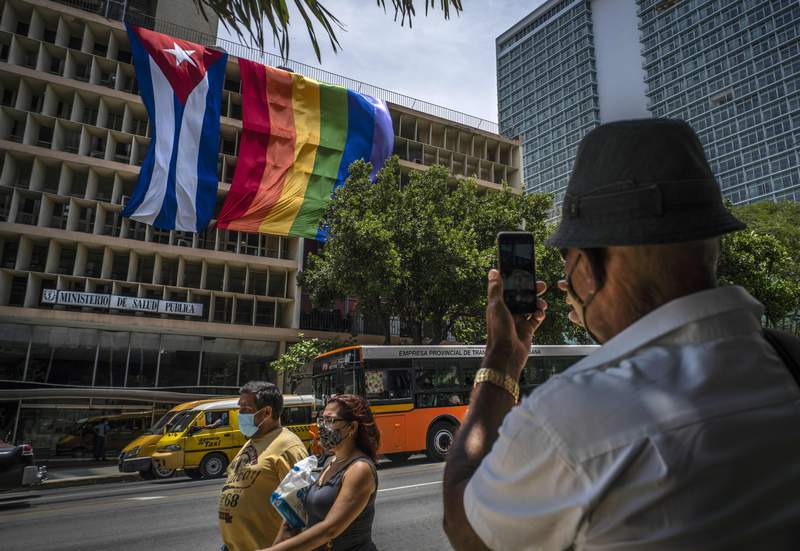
247 519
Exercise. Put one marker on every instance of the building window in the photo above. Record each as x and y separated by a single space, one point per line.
223 309
14 344
214 277
191 276
180 360
112 359
220 363
19 285
143 360
62 355
244 311
94 263
146 266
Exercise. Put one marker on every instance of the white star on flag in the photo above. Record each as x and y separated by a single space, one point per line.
180 54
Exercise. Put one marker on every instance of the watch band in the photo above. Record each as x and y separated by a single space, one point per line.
498 378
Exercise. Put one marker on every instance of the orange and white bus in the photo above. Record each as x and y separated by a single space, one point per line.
419 394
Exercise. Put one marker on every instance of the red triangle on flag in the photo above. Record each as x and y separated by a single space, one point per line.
184 63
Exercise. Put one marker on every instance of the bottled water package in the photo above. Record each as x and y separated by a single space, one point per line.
289 496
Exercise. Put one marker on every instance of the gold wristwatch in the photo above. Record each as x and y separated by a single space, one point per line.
498 378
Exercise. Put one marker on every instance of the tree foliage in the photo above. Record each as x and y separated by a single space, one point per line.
779 219
421 251
292 362
255 18
765 258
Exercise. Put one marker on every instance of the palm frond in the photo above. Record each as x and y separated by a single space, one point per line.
249 19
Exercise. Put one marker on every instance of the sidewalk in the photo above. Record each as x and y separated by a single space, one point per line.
61 474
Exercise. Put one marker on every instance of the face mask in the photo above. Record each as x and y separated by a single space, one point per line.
247 424
329 437
579 304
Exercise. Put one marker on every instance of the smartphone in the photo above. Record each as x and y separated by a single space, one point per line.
517 265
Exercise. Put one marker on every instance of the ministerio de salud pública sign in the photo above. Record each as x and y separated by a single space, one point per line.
116 302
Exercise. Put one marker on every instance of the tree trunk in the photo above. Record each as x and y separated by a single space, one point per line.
439 330
387 329
417 324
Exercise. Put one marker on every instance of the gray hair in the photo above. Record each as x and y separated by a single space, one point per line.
266 394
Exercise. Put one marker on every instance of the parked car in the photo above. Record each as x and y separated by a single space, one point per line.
17 467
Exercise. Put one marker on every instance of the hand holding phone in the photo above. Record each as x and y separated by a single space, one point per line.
517 265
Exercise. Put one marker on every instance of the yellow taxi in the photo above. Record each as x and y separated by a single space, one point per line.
203 440
136 456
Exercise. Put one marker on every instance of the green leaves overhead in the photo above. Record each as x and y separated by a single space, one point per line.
254 18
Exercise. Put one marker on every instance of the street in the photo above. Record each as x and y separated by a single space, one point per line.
180 514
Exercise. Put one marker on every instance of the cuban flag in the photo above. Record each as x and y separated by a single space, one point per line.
181 86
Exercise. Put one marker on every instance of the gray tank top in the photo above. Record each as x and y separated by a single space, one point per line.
319 500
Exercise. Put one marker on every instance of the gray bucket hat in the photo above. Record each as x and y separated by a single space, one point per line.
641 182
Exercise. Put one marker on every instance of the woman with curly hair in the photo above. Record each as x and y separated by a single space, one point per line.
341 504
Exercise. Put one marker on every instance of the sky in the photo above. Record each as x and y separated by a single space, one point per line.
449 63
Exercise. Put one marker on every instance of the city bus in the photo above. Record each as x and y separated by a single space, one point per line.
419 394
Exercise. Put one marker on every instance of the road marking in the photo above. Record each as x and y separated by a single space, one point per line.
144 498
409 486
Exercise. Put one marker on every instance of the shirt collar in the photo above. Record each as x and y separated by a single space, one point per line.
669 317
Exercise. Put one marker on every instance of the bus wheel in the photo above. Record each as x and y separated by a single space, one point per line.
194 474
440 438
213 465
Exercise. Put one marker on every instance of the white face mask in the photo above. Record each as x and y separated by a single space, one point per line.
247 424
580 305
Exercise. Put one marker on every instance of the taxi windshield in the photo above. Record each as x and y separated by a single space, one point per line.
181 421
161 423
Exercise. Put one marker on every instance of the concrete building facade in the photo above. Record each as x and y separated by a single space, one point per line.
730 69
101 315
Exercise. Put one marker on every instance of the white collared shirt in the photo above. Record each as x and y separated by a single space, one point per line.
682 432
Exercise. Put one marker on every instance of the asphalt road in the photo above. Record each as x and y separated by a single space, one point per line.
180 514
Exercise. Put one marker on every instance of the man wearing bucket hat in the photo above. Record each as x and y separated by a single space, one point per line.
683 430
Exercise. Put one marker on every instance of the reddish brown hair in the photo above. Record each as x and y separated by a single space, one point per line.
355 408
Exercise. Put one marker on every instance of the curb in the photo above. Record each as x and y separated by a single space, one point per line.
89 480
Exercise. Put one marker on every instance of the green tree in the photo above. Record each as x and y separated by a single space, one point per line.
256 18
421 251
779 219
292 362
761 264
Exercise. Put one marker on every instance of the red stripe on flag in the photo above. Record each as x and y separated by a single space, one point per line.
280 154
253 145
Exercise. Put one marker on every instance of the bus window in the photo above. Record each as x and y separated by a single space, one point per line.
389 384
337 381
440 383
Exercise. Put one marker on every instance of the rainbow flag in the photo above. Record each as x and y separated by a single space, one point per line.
298 139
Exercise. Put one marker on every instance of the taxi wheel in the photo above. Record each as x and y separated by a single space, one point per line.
194 474
161 472
213 465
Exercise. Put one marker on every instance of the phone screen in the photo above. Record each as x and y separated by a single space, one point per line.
517 267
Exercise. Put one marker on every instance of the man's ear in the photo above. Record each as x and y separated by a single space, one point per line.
592 268
267 412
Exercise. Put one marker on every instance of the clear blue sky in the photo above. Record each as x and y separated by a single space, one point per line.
450 63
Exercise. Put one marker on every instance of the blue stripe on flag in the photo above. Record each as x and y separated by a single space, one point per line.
360 128
207 180
166 217
141 65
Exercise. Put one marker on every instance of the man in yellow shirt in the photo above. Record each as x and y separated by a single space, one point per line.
247 519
